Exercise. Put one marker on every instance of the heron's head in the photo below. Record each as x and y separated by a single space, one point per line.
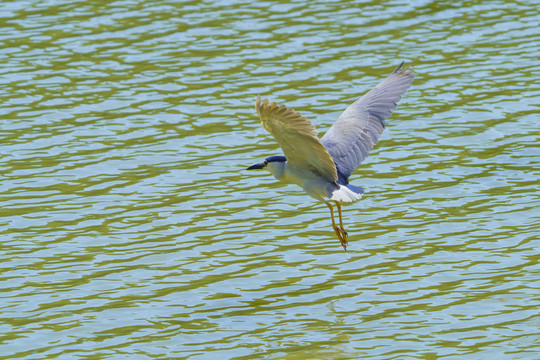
273 164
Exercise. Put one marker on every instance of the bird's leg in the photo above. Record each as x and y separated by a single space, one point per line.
342 236
340 218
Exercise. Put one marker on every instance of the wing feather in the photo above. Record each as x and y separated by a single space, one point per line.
362 123
297 137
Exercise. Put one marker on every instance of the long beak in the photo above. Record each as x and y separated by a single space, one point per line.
256 167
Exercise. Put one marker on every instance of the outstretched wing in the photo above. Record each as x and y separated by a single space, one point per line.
297 137
359 127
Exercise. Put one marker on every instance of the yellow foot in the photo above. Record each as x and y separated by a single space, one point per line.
342 236
344 243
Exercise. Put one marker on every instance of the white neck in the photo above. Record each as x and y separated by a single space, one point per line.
278 169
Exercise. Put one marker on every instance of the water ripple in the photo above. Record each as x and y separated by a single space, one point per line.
130 228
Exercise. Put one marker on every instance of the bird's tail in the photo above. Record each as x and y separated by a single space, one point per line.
347 193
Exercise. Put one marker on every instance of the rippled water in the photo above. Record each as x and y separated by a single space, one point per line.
131 230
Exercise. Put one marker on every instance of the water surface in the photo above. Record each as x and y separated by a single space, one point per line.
131 230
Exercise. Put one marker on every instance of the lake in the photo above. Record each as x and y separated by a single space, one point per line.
131 230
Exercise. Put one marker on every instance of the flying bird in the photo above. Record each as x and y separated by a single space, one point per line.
322 167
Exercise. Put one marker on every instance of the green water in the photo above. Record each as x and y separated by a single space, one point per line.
130 229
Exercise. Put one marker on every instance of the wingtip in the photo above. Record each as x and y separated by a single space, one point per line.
258 104
407 71
265 105
399 67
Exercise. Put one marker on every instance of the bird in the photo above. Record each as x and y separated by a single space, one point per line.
322 167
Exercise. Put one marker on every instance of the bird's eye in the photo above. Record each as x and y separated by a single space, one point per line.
265 162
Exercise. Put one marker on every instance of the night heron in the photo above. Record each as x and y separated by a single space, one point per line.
322 167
